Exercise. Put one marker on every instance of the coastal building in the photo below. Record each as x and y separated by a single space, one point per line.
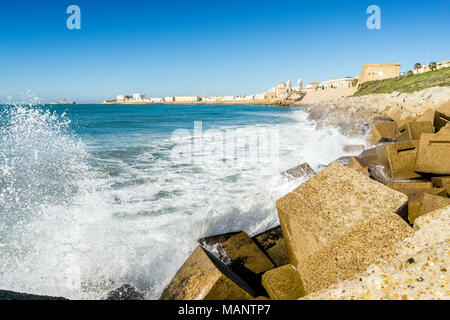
427 67
299 86
156 100
378 71
443 64
269 95
312 86
209 99
187 99
282 89
338 83
138 97
124 98
260 96
169 99
229 98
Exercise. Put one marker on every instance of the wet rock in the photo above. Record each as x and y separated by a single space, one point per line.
354 148
442 116
125 292
11 295
300 171
283 283
271 242
242 255
400 158
204 277
238 247
338 223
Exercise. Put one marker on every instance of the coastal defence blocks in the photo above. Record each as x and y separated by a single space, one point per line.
433 155
338 223
203 277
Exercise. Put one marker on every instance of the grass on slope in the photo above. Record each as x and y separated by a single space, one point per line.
407 84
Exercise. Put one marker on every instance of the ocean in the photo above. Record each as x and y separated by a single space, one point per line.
96 196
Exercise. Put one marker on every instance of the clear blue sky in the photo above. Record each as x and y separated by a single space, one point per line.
215 47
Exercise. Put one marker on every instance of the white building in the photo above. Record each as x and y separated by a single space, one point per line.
157 100
187 99
138 97
427 67
169 99
124 98
338 83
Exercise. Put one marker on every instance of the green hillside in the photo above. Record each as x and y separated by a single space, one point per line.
407 84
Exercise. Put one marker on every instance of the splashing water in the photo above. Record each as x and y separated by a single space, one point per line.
80 217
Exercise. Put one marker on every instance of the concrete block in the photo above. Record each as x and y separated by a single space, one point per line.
238 247
203 277
415 199
283 283
271 242
401 159
433 202
383 131
441 182
442 116
375 160
413 129
433 154
410 184
300 171
338 223
427 116
354 148
356 165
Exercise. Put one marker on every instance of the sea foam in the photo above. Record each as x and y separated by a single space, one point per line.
78 222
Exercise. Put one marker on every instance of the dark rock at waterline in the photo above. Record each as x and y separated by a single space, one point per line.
125 292
300 171
11 295
271 242
242 255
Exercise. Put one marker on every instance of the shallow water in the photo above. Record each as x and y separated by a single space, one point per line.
92 197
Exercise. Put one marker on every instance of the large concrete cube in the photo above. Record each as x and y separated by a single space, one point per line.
203 277
383 131
433 155
338 223
401 159
442 116
412 130
283 283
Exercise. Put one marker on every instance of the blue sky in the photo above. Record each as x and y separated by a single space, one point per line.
206 47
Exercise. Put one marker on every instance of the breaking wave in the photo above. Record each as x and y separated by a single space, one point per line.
78 221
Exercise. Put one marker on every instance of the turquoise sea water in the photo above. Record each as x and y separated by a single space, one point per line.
91 196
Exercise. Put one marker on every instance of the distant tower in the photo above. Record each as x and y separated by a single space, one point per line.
299 84
289 85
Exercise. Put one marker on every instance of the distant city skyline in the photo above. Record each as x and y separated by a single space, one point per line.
182 48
